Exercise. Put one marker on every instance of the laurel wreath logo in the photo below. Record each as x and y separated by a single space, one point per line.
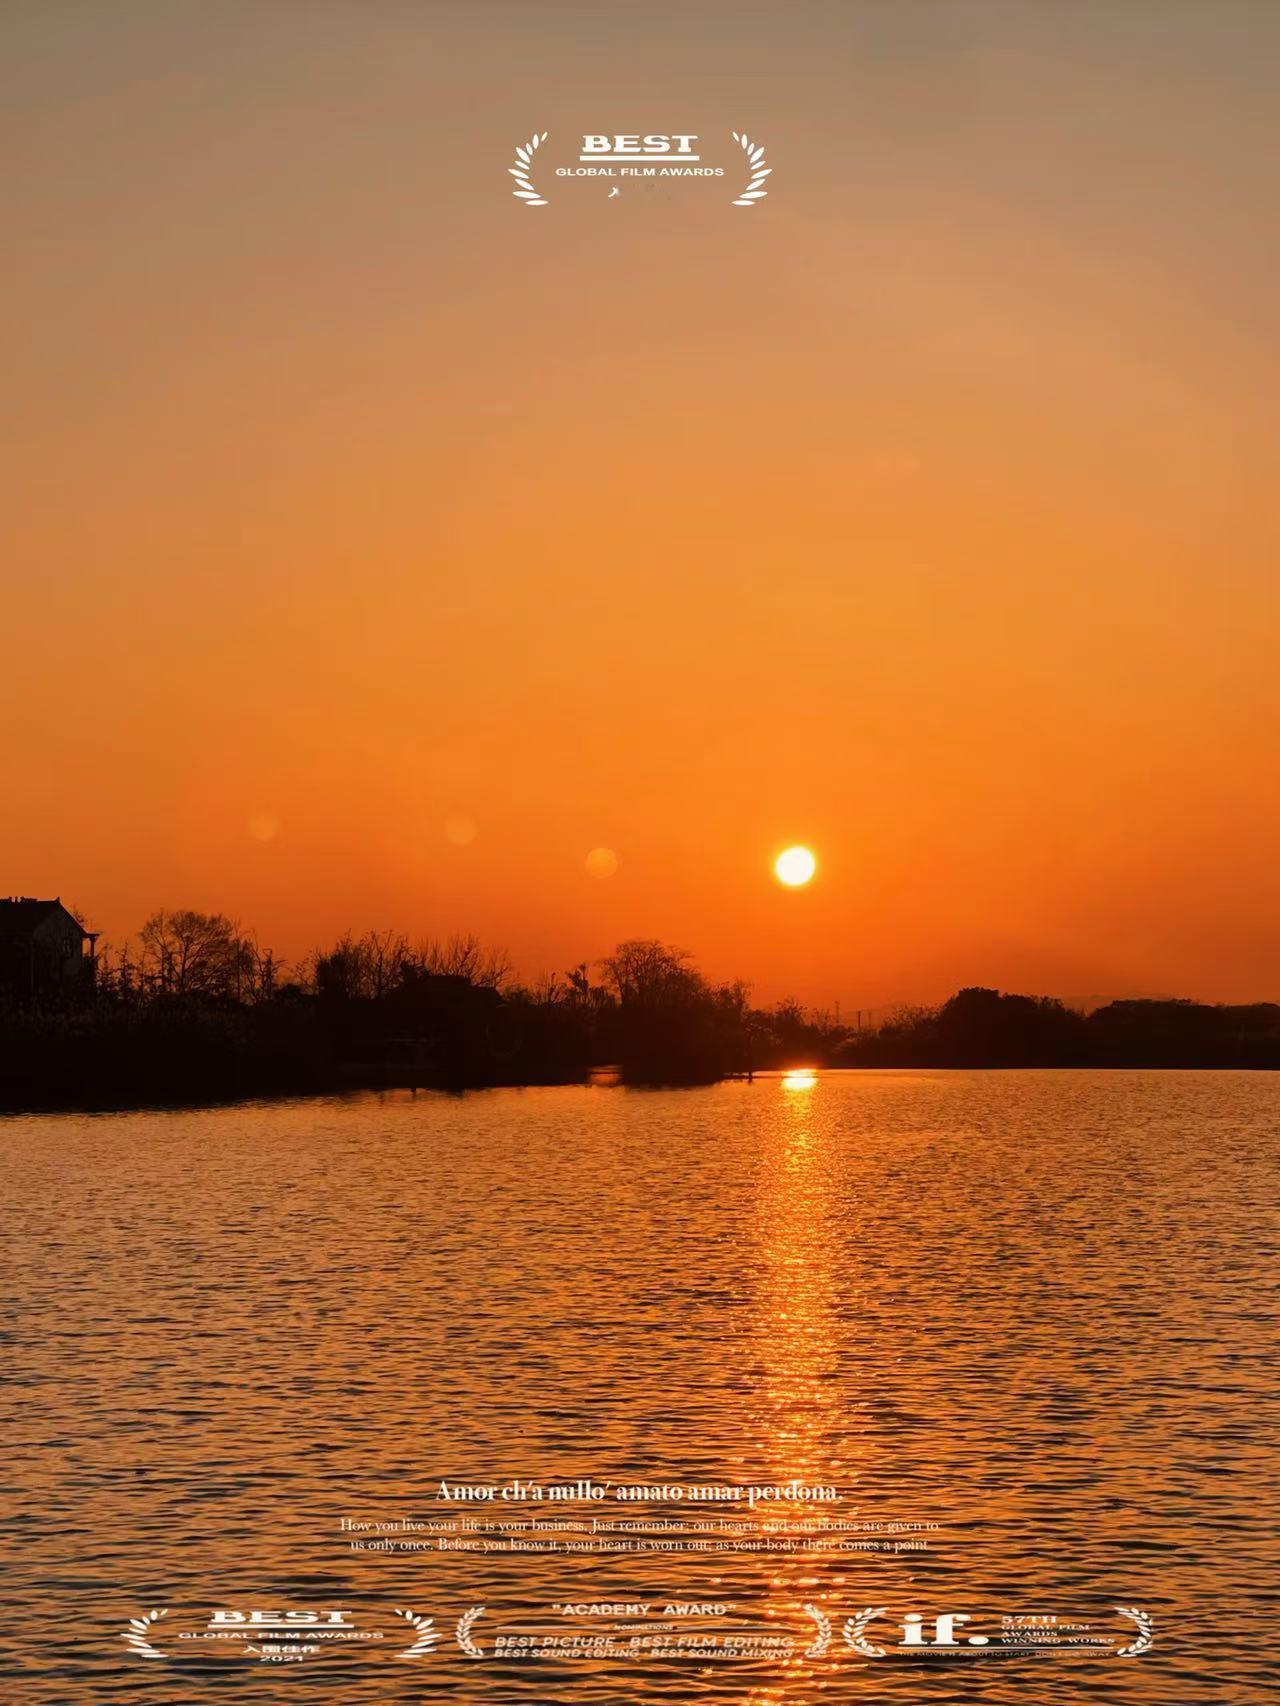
855 1631
466 1623
822 1640
755 190
426 1638
1146 1632
136 1634
524 185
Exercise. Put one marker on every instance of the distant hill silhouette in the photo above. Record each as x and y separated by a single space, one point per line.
983 1028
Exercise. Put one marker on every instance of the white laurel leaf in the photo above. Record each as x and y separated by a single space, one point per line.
136 1634
855 1632
1146 1634
822 1639
524 187
466 1623
758 172
425 1638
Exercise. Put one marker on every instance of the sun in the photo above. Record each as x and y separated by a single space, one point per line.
795 867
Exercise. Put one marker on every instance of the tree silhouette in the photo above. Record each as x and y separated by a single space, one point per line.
195 953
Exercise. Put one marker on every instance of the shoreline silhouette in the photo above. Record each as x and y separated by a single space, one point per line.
195 1011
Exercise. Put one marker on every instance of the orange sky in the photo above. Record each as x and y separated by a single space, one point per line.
923 513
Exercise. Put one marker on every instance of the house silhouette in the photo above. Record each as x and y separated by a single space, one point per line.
45 953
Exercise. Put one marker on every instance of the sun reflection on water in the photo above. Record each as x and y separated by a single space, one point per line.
798 1415
803 1078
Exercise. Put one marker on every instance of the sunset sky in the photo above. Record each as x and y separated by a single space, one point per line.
923 514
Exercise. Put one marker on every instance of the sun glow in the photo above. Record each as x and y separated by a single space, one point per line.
800 1079
795 867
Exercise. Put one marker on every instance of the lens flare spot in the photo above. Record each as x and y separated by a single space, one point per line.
461 831
264 826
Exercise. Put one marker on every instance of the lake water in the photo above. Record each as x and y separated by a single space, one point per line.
1036 1310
